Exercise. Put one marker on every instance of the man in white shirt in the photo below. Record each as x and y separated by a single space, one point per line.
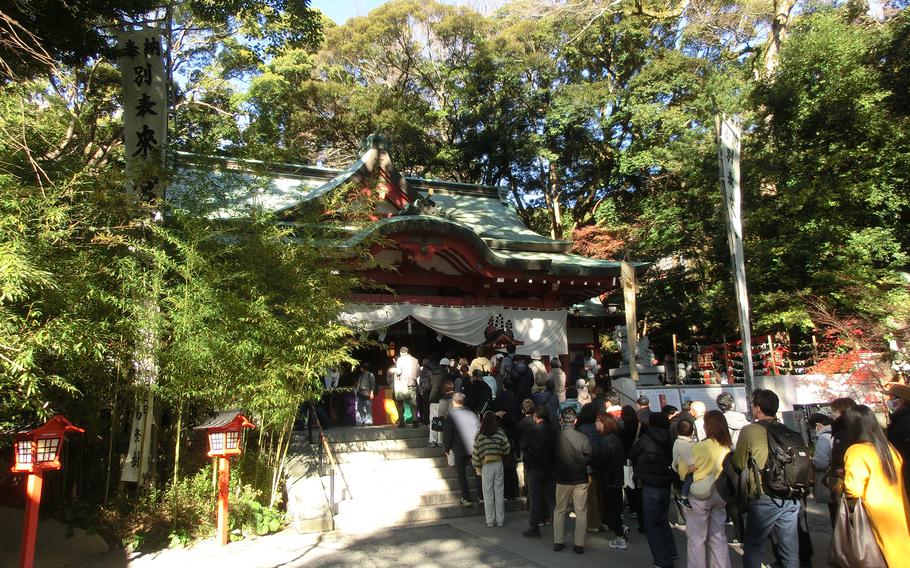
407 370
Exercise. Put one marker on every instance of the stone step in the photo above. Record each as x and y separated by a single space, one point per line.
434 454
392 486
368 433
427 499
402 467
380 445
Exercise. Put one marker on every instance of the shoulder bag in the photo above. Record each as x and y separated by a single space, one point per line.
853 541
628 472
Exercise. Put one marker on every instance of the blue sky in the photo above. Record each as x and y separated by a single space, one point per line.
341 10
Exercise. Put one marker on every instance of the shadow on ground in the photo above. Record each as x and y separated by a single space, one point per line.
437 546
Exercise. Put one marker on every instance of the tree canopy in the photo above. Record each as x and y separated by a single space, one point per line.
596 116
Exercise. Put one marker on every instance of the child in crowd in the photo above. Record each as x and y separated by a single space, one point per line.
683 463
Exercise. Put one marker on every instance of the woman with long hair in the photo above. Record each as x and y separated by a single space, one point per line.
839 444
705 523
490 447
872 471
610 478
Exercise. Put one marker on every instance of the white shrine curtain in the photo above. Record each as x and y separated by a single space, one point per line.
541 330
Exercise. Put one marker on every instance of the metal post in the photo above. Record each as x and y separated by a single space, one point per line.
30 523
321 446
771 355
675 364
224 476
332 490
309 424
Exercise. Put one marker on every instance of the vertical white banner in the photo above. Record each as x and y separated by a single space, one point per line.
629 291
145 110
729 137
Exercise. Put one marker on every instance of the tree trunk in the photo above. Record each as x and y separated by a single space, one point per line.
782 9
519 204
551 196
174 500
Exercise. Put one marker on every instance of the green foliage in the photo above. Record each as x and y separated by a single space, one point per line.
185 512
827 176
37 35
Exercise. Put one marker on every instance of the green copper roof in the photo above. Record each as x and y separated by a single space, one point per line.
478 213
495 221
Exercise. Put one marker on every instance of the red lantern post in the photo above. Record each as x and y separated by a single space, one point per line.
223 431
37 450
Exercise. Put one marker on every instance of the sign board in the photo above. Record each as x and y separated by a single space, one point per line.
145 110
660 396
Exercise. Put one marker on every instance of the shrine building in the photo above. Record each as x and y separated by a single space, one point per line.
466 268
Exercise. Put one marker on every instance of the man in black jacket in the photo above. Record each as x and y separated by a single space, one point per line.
574 454
651 458
537 445
899 429
522 379
478 394
458 432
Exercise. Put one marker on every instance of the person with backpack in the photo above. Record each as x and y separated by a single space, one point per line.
776 462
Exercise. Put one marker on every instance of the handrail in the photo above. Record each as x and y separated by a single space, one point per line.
325 449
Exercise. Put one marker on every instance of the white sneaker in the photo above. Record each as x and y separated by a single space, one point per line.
619 544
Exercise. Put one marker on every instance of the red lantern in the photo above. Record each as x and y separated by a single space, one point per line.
37 449
224 434
224 431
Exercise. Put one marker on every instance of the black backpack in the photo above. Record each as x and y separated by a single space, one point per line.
788 473
732 485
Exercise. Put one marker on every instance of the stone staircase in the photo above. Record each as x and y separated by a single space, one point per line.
389 476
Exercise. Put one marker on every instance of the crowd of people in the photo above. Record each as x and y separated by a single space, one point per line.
586 455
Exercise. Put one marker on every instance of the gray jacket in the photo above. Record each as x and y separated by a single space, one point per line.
736 421
821 459
365 381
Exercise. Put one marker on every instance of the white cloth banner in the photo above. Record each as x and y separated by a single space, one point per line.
729 140
540 330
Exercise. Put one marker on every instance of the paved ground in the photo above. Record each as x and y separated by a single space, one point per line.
457 543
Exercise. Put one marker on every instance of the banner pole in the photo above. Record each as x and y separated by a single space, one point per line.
728 156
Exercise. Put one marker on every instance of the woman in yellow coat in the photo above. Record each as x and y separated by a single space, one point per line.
873 471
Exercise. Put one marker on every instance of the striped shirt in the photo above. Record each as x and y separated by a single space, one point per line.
489 448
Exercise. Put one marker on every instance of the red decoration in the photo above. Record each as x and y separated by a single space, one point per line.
224 434
37 450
